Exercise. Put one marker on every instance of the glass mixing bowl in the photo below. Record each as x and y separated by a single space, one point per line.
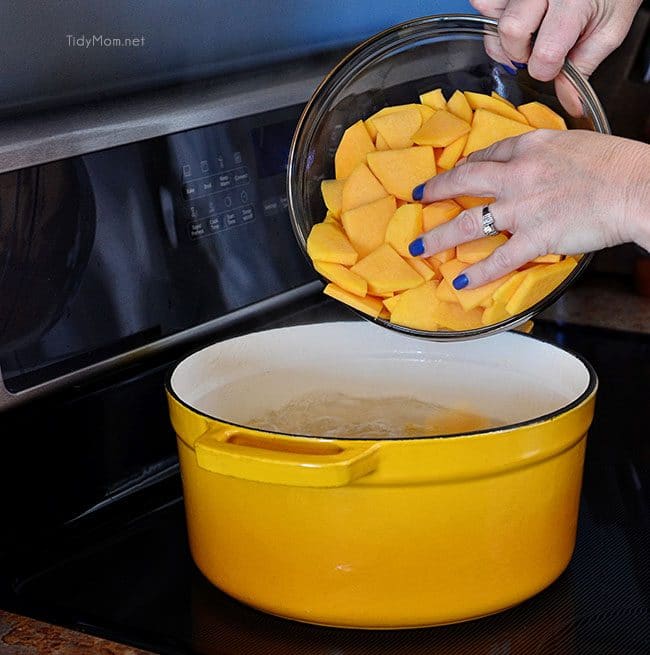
394 67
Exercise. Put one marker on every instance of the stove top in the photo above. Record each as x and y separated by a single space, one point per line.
123 570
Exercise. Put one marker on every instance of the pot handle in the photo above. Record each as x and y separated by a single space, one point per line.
281 460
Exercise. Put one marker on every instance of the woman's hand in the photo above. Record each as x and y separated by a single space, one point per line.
584 31
562 192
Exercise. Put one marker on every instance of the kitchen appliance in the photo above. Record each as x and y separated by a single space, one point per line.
93 532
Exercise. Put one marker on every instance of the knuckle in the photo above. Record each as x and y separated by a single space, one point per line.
502 260
482 6
549 54
467 225
511 27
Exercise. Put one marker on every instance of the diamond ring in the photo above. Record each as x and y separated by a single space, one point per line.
488 223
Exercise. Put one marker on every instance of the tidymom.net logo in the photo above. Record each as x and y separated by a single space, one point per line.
103 41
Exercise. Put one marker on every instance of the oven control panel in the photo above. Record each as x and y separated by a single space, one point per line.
123 248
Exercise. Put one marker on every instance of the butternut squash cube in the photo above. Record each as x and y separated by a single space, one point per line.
467 202
360 188
459 106
474 251
355 144
398 127
404 226
332 192
541 116
494 94
366 225
342 277
415 308
489 127
386 271
495 105
420 265
381 143
367 305
451 154
438 213
400 171
451 316
538 283
495 313
327 243
434 99
441 129
469 298
445 292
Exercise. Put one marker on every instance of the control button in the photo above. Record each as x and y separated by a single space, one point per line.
236 156
247 214
220 162
243 196
212 207
240 176
224 180
189 190
270 206
196 229
215 224
204 166
284 203
187 170
207 185
227 201
230 218
194 211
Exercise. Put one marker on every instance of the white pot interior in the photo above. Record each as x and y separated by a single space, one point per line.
508 377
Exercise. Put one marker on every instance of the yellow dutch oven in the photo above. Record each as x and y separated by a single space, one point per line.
382 533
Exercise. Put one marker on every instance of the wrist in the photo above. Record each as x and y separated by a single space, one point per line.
637 200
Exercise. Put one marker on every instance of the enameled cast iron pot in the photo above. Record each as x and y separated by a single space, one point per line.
382 533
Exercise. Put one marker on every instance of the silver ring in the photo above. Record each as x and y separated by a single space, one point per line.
488 223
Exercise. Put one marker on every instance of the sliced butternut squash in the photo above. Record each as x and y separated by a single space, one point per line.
404 226
397 128
441 129
451 154
541 116
327 243
416 307
489 127
367 305
360 188
474 251
342 277
332 192
400 171
439 212
451 316
434 99
469 298
495 105
467 202
386 271
420 265
366 225
459 106
355 144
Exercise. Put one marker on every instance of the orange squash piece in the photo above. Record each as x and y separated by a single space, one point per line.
404 226
389 303
327 243
451 316
538 283
474 251
542 117
445 292
495 313
451 154
416 307
467 202
469 298
441 129
439 212
505 291
367 305
494 94
547 259
400 171
381 143
330 218
459 106
332 192
398 127
489 127
445 255
420 266
434 99
366 225
342 277
355 144
425 112
386 271
360 188
495 105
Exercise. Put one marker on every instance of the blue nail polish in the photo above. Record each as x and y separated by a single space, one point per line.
418 192
416 248
460 282
519 65
509 69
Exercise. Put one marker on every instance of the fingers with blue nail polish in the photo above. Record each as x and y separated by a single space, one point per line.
460 282
416 248
519 65
418 192
509 69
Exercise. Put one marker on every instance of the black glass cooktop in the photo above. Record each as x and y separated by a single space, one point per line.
125 572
